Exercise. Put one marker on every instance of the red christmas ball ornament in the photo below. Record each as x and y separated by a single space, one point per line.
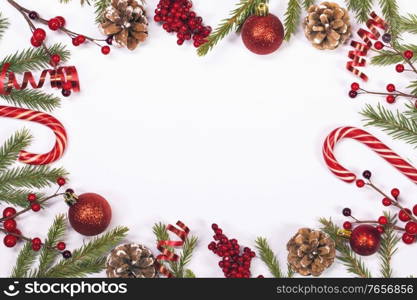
263 32
89 213
365 240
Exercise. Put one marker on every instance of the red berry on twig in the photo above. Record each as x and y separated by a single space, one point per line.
395 192
54 24
400 68
61 246
390 99
379 45
10 225
35 207
61 181
347 225
411 228
61 21
10 240
386 202
408 54
39 34
8 212
360 183
353 94
391 88
383 220
380 229
105 50
35 43
32 197
404 215
408 238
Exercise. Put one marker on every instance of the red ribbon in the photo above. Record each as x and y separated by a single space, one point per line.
163 247
361 49
57 78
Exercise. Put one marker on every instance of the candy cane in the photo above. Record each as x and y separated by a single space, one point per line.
44 119
368 140
361 49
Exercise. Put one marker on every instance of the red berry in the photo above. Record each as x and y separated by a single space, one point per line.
360 183
10 225
35 43
66 93
353 94
8 212
75 42
214 226
33 15
347 225
80 39
379 45
10 240
355 86
400 68
61 181
395 193
380 229
105 50
408 54
39 34
411 228
32 197
55 59
35 207
36 241
390 99
414 210
386 202
36 247
54 24
61 246
404 215
391 88
383 220
61 21
408 238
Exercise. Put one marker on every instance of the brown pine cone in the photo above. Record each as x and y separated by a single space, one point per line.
131 261
327 25
310 252
126 21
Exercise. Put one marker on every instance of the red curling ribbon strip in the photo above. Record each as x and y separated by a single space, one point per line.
58 77
168 255
44 119
361 49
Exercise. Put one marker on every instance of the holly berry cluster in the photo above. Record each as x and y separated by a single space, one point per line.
234 263
13 235
177 16
405 215
391 93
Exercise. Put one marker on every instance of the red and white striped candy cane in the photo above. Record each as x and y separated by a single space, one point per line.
44 119
369 140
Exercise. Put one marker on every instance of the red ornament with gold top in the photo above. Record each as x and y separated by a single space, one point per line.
89 214
365 240
263 32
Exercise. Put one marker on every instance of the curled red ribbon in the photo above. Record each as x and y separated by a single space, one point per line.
361 49
57 78
163 246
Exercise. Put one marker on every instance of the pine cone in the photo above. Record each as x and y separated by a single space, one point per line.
126 21
131 261
311 252
327 25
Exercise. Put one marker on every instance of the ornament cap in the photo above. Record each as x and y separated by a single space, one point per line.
70 198
262 10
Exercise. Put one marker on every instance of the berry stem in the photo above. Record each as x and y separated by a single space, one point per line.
396 94
376 222
25 238
406 59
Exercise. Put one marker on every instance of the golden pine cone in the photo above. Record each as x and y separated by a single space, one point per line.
327 25
126 21
310 252
131 261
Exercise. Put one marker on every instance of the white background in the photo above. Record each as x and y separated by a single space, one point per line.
231 138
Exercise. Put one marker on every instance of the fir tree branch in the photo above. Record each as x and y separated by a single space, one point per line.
89 258
34 59
308 3
31 176
16 197
49 254
4 24
290 272
100 7
391 13
243 10
292 18
161 234
408 24
395 124
186 255
353 264
189 274
389 242
11 148
33 99
268 257
361 8
24 261
388 57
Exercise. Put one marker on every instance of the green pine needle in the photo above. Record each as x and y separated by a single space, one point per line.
292 18
11 148
243 10
100 7
15 196
24 262
351 261
4 24
391 14
31 176
49 254
34 59
33 99
394 123
268 257
361 8
89 258
308 3
189 274
389 242
290 272
408 24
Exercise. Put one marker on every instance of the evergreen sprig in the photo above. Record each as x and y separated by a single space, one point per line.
24 262
389 242
4 24
33 99
353 263
408 23
394 123
16 196
308 3
243 10
391 14
100 6
361 8
268 257
292 18
12 146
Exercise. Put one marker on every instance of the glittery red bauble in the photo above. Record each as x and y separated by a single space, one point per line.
90 215
262 34
365 240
